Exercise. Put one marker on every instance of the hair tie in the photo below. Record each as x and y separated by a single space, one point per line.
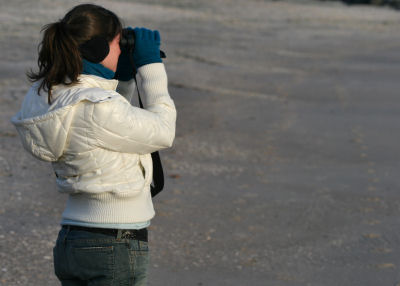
62 24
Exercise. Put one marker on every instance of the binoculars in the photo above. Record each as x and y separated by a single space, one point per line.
127 41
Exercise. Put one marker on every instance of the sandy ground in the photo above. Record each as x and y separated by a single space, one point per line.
285 166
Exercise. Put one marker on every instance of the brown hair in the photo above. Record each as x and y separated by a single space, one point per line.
60 61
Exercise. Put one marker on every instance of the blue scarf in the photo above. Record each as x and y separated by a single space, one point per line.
97 69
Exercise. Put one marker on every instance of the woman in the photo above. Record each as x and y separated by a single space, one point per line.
98 143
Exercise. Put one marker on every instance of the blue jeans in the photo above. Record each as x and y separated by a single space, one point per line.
87 258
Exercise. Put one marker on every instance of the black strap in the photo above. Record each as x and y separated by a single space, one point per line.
158 174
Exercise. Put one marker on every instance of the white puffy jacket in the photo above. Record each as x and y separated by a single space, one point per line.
99 144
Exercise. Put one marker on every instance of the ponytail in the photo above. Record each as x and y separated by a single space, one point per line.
59 59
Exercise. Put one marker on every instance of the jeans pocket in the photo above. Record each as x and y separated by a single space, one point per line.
139 261
93 261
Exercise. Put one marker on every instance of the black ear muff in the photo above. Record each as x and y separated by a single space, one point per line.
95 50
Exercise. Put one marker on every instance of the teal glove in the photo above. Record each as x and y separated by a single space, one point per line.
146 51
147 47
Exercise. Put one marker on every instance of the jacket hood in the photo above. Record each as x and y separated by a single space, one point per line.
43 128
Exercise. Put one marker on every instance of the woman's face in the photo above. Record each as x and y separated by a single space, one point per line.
111 60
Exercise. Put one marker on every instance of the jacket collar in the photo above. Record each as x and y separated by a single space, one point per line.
86 80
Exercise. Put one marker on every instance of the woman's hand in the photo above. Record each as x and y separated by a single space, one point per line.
147 47
146 51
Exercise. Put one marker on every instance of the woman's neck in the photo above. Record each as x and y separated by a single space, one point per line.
97 69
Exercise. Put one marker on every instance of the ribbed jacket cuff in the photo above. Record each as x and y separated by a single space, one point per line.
109 207
154 82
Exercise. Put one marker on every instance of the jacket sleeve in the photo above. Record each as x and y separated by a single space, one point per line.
121 127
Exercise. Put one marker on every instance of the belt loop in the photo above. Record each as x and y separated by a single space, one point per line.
119 235
66 234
